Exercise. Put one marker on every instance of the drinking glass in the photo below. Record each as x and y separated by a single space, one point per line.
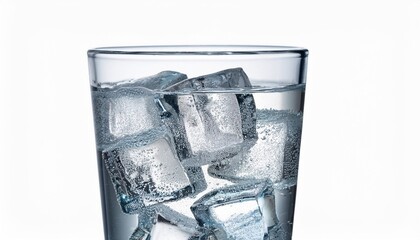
198 142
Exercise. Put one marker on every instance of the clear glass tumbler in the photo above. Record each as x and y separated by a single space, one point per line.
198 142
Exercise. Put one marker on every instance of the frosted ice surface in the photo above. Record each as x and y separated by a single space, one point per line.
123 112
237 212
149 167
274 156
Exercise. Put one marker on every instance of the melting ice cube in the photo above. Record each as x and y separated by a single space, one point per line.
147 166
216 124
274 156
241 212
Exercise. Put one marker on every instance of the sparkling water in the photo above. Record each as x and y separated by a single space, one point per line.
209 157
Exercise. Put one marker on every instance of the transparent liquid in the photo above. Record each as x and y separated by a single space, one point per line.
186 210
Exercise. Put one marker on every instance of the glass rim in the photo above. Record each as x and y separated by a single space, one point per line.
198 50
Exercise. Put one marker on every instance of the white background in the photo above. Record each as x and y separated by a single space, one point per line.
359 172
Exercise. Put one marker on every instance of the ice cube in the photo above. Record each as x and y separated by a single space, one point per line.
147 167
274 156
123 112
161 222
216 124
237 212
